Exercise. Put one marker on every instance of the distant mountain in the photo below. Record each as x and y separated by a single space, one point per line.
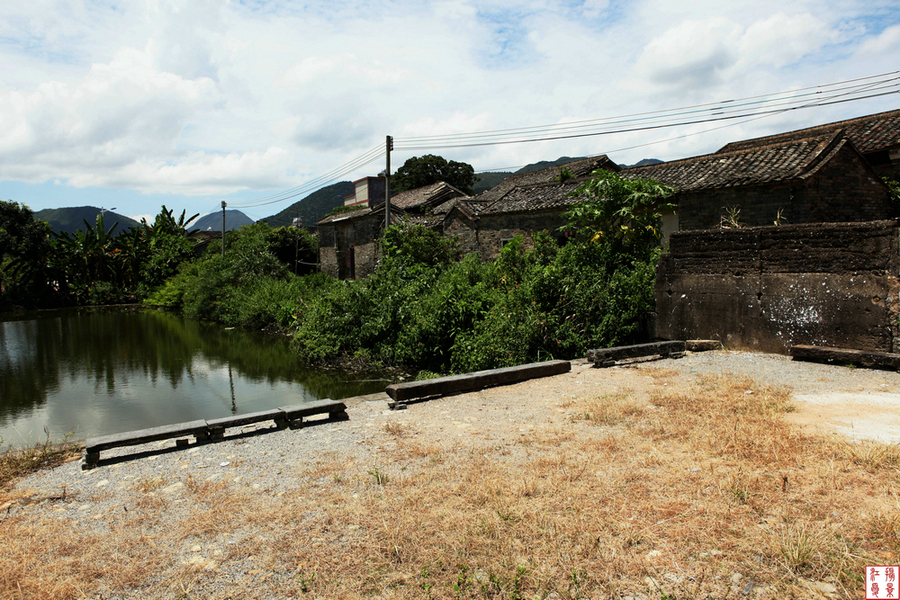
644 163
312 208
72 219
234 219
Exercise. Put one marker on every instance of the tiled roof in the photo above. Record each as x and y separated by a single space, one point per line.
429 195
410 200
345 216
784 161
536 197
578 169
868 134
471 204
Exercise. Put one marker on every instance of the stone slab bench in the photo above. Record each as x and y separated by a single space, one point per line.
468 382
213 429
845 356
337 411
607 357
285 416
93 446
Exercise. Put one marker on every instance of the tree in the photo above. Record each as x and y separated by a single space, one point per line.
620 208
24 253
406 244
426 170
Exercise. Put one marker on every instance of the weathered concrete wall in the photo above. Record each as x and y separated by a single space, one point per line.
768 288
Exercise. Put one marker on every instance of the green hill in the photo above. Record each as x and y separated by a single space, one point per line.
313 207
72 219
488 180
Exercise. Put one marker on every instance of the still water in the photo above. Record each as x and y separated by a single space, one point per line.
93 372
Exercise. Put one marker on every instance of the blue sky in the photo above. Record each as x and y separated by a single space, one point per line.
187 103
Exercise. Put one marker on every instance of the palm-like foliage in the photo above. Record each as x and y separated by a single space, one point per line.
616 207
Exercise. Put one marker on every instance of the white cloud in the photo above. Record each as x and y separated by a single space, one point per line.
594 8
886 43
198 97
781 40
692 54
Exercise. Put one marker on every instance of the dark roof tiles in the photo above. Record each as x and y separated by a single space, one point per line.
429 195
536 197
869 134
753 165
578 169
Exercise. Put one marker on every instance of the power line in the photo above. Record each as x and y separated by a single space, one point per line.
310 186
664 120
750 109
795 95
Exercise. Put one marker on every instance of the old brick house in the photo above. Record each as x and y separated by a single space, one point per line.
829 173
348 241
829 278
520 205
877 137
814 179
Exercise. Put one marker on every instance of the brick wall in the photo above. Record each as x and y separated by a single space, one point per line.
845 189
768 288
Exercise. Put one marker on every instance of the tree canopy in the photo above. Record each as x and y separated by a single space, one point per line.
428 169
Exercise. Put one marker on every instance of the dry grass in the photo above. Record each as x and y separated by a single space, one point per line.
699 492
18 462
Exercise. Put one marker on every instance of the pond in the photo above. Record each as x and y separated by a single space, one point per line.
89 372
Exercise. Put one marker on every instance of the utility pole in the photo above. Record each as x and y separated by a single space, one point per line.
223 229
388 146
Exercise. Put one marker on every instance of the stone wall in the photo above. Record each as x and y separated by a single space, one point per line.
347 248
768 288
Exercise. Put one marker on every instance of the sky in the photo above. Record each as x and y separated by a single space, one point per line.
134 104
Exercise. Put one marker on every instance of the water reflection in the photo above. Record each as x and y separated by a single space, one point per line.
103 371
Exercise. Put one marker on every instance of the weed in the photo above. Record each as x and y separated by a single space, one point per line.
870 454
395 429
731 219
611 409
306 581
151 484
779 218
799 546
380 477
15 463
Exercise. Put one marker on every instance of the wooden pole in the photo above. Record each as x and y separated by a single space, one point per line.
223 229
388 146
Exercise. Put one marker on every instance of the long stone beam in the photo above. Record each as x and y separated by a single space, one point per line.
606 357
469 382
845 356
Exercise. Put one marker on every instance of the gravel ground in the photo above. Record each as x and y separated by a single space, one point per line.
257 455
274 461
261 453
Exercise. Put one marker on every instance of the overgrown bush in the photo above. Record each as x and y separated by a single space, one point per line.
425 309
529 304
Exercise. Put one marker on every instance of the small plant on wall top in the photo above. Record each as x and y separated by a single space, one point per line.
731 219
780 219
564 174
